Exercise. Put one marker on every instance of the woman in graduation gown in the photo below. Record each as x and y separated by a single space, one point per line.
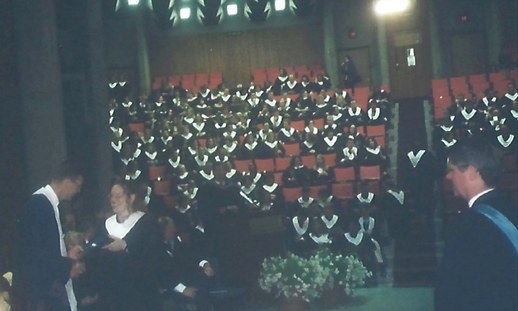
127 279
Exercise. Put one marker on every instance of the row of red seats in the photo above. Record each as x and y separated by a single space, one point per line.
260 75
444 89
191 81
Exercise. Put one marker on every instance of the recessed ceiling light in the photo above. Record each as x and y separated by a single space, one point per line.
133 2
232 9
185 13
280 5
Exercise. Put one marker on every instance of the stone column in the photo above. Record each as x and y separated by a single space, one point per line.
493 32
142 51
435 42
100 166
39 84
383 53
330 57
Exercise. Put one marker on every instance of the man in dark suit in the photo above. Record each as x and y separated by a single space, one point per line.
479 268
43 267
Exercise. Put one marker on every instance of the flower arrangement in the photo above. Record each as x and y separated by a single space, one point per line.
293 276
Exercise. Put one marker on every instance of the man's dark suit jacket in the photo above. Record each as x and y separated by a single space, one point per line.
40 272
479 271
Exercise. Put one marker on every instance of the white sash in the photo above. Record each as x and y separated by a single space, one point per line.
369 198
323 239
505 142
400 196
356 240
300 230
415 158
329 223
119 230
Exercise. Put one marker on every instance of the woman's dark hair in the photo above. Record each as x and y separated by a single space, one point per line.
479 152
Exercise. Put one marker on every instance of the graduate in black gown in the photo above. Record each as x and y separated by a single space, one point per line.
128 279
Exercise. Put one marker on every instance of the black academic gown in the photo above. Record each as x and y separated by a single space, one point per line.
127 279
479 269
39 271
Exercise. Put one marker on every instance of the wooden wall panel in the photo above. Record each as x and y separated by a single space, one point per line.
236 55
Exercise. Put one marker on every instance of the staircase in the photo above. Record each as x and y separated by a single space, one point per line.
415 256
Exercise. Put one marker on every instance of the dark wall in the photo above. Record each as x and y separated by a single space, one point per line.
237 54
13 185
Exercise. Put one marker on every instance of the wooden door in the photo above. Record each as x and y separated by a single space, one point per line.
409 53
360 57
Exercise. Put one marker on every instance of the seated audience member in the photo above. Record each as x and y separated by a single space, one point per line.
180 265
199 160
488 101
221 156
304 201
230 131
368 224
250 149
272 188
331 143
164 139
355 115
305 84
325 196
188 221
254 103
468 116
506 141
291 86
116 144
270 102
199 127
148 137
322 83
182 178
445 125
355 136
505 103
204 174
331 125
151 156
358 244
225 97
285 104
373 154
211 147
231 174
318 237
232 147
457 105
310 145
280 81
322 107
192 193
263 115
256 176
441 151
304 107
338 117
494 121
264 131
298 232
348 156
287 134
331 220
375 115
186 138
296 175
267 204
365 196
250 189
271 148
322 173
173 160
204 93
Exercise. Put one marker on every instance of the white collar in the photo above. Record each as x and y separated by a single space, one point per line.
305 204
400 196
355 112
117 147
512 97
249 189
447 128
356 240
291 84
300 230
447 143
371 220
373 115
415 158
468 115
369 198
473 199
119 230
207 176
329 223
288 132
251 146
174 163
230 148
505 143
331 142
152 156
271 145
374 151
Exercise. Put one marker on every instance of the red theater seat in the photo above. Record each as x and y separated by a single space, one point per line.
343 191
370 172
265 165
292 194
156 172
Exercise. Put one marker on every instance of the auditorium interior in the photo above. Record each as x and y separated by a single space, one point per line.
156 90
